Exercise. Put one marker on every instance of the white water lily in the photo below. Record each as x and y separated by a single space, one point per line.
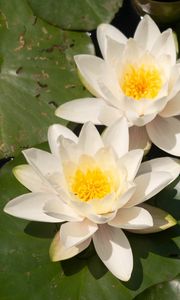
95 187
138 78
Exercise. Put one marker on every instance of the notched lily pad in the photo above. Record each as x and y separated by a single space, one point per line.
37 75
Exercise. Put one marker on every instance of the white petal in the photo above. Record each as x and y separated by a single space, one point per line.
54 132
132 161
132 218
123 199
26 175
165 44
164 164
132 52
42 161
148 185
86 209
59 209
172 107
147 32
109 114
30 207
90 140
138 138
165 133
105 31
110 91
114 250
114 53
74 233
81 110
134 116
150 107
91 68
101 219
174 80
162 220
58 251
95 74
117 137
69 150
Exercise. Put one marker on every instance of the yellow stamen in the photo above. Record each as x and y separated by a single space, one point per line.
91 184
141 82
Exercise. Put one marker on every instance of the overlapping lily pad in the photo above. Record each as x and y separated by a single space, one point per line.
162 291
27 273
76 15
37 73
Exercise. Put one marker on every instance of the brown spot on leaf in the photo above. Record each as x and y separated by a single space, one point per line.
19 70
42 85
53 103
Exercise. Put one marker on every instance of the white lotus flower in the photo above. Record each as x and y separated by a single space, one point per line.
91 182
137 77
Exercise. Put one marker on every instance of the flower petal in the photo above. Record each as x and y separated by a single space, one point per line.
91 69
123 199
162 220
86 209
69 150
138 138
31 207
172 107
74 233
147 33
59 209
117 137
90 140
43 162
26 175
165 44
113 53
101 219
132 161
134 116
106 31
109 114
114 250
132 218
98 76
58 252
148 185
165 133
54 133
81 110
161 164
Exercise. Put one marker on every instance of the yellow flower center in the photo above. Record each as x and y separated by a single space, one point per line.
141 82
91 184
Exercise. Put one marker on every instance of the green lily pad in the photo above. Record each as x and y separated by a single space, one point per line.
76 15
160 11
162 291
27 273
37 74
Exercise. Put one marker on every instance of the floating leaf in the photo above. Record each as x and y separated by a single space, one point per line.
162 291
77 15
37 73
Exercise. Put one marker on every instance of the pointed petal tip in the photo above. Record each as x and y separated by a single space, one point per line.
162 220
17 169
78 57
170 222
